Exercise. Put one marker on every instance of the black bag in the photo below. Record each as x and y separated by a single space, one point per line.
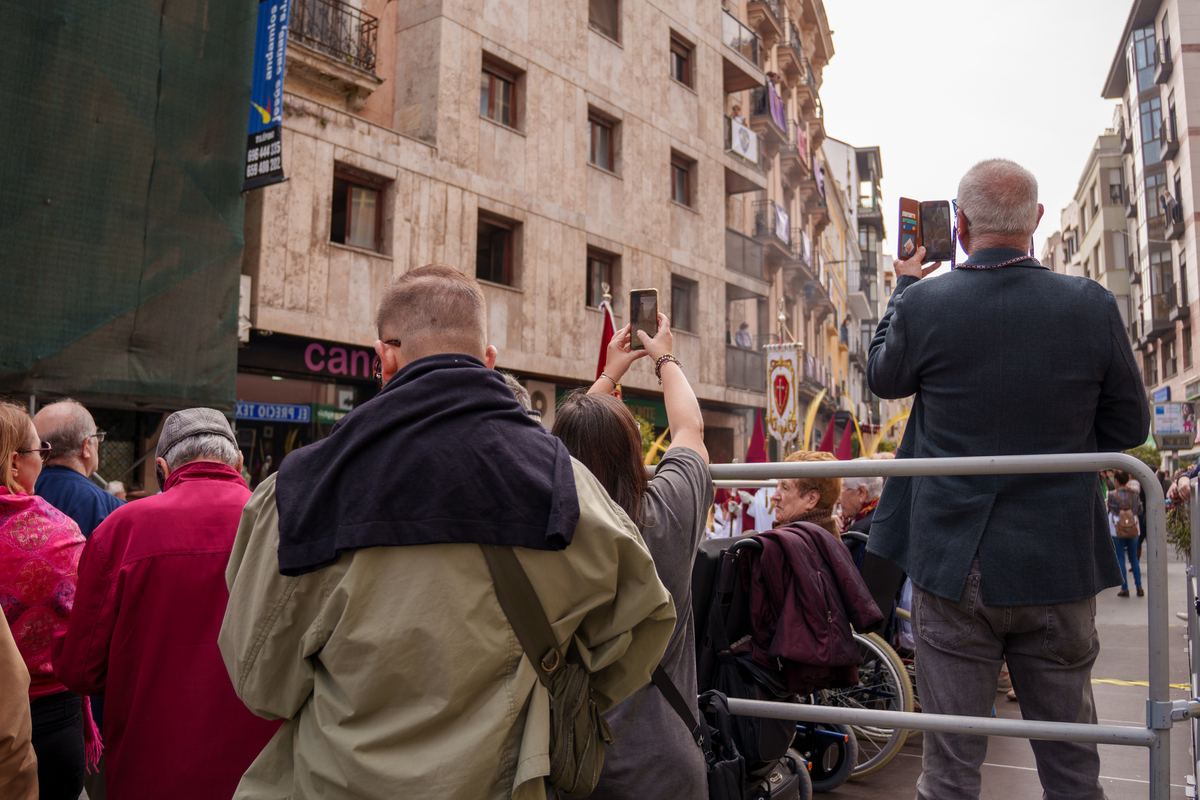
713 734
760 740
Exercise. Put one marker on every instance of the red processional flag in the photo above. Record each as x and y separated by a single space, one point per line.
606 335
846 445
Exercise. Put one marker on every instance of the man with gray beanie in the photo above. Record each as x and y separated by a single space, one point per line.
1004 357
143 632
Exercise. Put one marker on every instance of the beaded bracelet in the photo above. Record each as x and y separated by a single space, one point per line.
663 360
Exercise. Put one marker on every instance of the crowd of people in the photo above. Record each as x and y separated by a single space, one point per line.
341 631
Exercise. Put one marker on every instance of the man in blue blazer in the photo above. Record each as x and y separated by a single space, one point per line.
1004 357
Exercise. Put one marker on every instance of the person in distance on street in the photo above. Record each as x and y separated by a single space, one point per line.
1004 357
1121 498
362 610
150 599
654 754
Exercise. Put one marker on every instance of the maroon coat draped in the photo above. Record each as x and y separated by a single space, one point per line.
148 606
805 593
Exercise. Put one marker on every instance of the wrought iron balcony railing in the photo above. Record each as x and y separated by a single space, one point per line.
344 32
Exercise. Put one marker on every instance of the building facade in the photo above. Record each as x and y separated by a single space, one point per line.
554 154
1151 75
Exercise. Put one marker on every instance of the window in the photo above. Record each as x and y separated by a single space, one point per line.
682 168
494 249
684 295
601 147
603 16
498 94
1169 361
1141 55
357 210
1116 194
1096 260
601 269
681 60
1150 368
1187 348
1151 117
1155 184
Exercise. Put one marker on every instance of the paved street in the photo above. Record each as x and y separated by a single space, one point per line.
1010 773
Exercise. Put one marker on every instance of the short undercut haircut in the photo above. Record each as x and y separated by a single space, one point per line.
999 197
434 309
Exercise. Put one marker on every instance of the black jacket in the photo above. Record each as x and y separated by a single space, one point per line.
1005 361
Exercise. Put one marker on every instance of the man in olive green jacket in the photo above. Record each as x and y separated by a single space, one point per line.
395 666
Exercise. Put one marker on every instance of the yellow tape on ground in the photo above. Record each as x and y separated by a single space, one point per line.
1119 682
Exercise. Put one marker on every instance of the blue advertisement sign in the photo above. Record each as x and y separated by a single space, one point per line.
1163 395
264 145
273 412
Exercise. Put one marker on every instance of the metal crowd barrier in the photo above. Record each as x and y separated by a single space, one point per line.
1161 712
1193 630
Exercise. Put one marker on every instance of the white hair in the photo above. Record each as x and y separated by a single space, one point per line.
999 196
873 484
208 446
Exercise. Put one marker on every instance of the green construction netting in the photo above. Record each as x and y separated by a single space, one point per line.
122 138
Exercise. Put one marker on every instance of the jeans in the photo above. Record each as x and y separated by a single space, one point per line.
1124 547
1050 651
58 743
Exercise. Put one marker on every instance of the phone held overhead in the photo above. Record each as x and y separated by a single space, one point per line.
643 315
926 224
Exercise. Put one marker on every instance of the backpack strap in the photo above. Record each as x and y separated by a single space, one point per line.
670 691
524 611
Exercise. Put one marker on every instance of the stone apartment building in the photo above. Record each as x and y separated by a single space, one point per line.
550 150
1155 74
1092 240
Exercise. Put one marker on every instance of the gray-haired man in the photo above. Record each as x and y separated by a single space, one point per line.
65 482
1004 357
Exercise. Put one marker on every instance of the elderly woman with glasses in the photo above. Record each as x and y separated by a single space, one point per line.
39 554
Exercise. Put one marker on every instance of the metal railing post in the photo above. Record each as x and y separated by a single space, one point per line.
1193 624
1161 713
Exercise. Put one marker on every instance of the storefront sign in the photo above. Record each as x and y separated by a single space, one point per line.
281 353
273 412
1174 425
264 145
783 402
1163 395
327 415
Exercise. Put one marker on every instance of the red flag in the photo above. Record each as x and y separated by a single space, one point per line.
756 453
606 334
845 446
827 440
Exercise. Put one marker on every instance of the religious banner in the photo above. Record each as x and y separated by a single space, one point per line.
784 373
264 142
743 141
783 225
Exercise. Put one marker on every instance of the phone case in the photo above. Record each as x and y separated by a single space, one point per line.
910 228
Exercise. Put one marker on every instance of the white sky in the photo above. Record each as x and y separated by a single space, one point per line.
942 84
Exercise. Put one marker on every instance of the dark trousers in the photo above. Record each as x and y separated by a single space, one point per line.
58 743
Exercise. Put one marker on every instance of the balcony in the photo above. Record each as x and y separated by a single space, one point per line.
818 212
766 18
745 369
1162 61
1126 142
806 89
744 255
1182 305
793 156
1174 223
1161 307
790 54
338 45
767 118
741 56
743 169
1168 140
872 215
861 280
772 228
1131 209
815 374
816 126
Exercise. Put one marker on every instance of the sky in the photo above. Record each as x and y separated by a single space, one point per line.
941 84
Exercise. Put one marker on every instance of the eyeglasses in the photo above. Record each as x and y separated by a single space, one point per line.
99 435
44 451
377 365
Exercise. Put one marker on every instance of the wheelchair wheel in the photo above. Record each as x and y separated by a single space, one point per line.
883 685
830 749
909 659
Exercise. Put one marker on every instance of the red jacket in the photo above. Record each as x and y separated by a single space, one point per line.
805 593
148 606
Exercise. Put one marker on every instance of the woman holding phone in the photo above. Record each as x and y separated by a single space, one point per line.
654 754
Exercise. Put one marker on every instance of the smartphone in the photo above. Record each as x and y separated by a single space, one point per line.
643 315
925 225
935 231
